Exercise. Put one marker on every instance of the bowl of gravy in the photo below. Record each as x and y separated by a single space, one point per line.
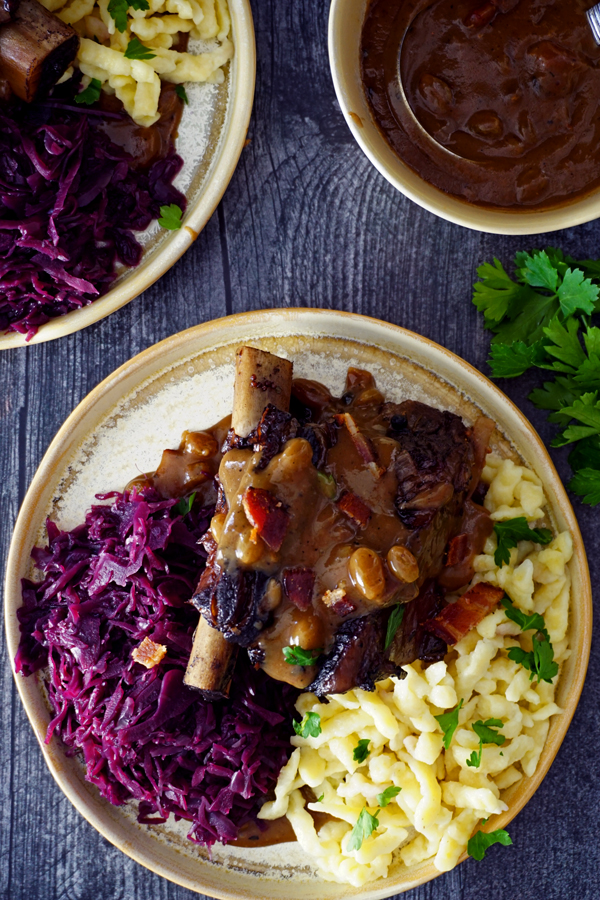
484 112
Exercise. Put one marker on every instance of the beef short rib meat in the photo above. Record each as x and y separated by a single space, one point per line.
434 467
357 659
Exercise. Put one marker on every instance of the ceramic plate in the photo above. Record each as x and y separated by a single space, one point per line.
186 382
211 137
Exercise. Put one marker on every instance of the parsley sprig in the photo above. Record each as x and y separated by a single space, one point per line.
310 726
540 660
136 50
118 9
184 506
541 319
481 840
298 656
394 623
511 531
361 751
488 732
366 824
388 795
170 217
90 94
449 723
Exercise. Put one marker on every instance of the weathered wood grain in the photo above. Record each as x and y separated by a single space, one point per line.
306 221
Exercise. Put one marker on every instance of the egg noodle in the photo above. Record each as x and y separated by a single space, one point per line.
136 82
441 798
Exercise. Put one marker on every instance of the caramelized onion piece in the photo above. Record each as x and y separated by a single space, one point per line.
36 48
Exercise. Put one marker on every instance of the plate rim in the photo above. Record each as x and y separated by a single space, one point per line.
62 445
243 79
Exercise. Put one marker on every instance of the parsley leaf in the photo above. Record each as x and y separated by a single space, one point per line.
297 656
497 293
91 94
361 751
184 506
511 531
170 217
118 9
136 50
394 622
366 824
320 799
310 726
327 484
390 792
487 732
539 661
449 723
533 622
481 840
537 270
585 409
511 360
181 93
586 484
577 293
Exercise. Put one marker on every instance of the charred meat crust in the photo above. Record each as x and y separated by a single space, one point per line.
275 429
233 603
413 640
357 658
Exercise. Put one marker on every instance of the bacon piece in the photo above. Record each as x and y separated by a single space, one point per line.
338 602
457 619
298 585
457 549
268 516
148 653
362 443
354 507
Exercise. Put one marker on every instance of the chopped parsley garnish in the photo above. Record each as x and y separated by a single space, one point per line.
91 94
361 751
481 840
384 798
488 733
511 531
540 660
136 50
394 623
327 484
310 726
298 656
366 824
184 506
320 799
170 217
118 10
541 318
181 93
449 723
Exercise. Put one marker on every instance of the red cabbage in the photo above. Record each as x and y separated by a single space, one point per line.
124 575
69 204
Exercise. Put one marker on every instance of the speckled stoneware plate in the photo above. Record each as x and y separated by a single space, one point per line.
186 382
211 137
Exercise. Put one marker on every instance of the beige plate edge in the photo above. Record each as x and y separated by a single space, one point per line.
479 390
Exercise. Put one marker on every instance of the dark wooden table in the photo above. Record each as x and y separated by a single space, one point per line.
306 221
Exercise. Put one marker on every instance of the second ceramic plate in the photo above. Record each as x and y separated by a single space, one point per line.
211 138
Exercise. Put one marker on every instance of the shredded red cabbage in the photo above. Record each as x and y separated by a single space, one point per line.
69 202
124 575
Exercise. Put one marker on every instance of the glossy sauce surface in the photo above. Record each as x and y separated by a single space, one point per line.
145 145
506 92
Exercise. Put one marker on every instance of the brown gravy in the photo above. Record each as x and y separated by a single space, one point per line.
145 145
500 98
